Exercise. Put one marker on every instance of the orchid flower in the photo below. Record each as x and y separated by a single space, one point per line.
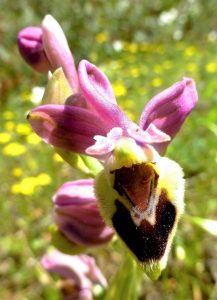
140 192
77 215
79 273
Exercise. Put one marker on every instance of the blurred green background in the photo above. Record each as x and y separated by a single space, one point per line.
143 47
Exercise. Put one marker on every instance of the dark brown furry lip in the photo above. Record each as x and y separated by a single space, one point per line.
148 242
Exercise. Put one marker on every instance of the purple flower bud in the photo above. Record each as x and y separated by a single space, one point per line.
79 273
46 49
77 215
31 49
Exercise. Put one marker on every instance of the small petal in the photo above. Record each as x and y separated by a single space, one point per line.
97 91
151 135
77 215
65 126
104 145
169 109
31 48
57 50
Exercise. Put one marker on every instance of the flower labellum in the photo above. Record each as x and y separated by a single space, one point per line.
140 195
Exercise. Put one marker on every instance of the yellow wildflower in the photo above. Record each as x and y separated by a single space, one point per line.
26 96
119 89
158 69
33 139
135 72
156 82
101 37
16 172
211 67
23 129
190 51
192 67
4 137
167 64
9 126
25 187
14 149
43 179
130 115
131 47
8 115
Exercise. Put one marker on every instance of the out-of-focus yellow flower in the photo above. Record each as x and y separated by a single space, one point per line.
135 72
33 139
167 64
25 187
57 157
43 179
16 172
26 96
119 88
8 115
144 46
160 49
211 67
131 47
101 37
130 115
158 69
156 82
192 67
128 103
9 126
190 51
14 149
23 129
4 137
28 185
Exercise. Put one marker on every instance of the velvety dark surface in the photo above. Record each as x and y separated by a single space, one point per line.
147 242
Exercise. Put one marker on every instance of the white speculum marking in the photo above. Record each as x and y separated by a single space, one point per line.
149 214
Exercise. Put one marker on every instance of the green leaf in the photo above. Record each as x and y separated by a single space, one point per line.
208 225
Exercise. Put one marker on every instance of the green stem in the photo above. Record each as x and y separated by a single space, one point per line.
126 283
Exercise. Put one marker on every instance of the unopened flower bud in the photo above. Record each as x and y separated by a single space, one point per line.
77 215
79 273
32 50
